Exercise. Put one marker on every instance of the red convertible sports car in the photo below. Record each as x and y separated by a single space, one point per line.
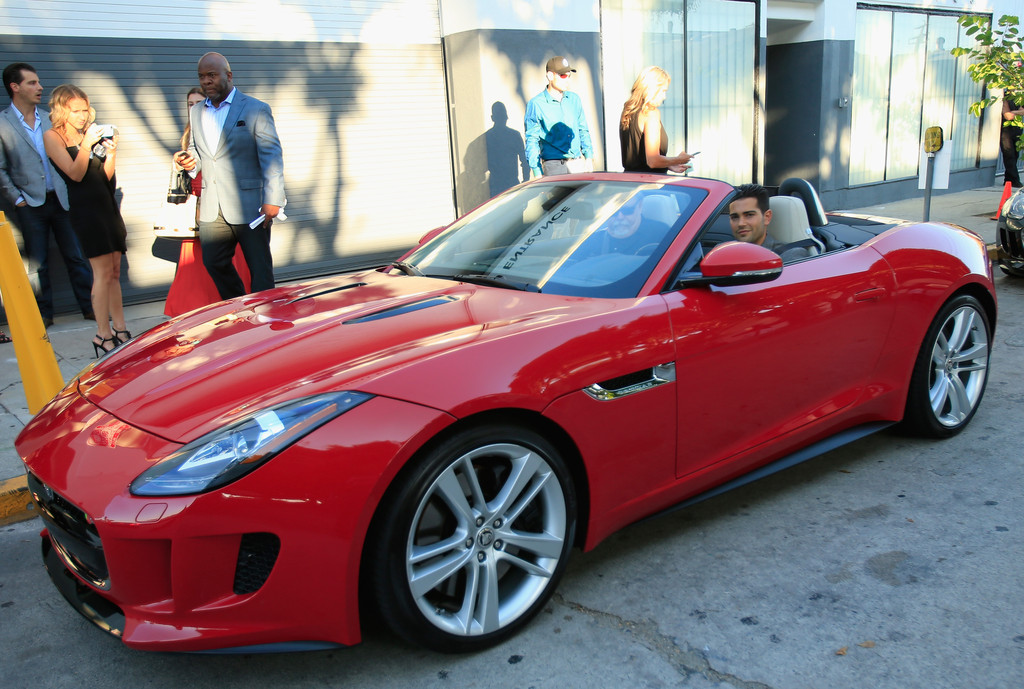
427 441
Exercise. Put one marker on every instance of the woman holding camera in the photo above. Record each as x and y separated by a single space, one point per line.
84 155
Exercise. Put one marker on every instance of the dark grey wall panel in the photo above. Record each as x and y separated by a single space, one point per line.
793 90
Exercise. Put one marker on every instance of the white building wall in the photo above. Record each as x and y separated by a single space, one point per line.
799 21
533 15
368 21
357 90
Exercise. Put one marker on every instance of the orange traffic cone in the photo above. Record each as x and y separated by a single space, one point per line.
1007 190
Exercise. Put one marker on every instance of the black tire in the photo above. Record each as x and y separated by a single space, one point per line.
491 509
951 370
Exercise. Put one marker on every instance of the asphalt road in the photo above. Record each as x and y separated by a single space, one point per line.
891 563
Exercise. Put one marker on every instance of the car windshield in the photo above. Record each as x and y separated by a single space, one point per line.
577 238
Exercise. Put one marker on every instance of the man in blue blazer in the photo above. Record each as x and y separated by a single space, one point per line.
236 148
36 192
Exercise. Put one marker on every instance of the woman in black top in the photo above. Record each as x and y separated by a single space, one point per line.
642 137
1012 107
84 156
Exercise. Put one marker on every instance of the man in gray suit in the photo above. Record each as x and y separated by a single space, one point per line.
236 147
36 192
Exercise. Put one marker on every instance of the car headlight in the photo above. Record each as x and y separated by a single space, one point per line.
229 453
1016 208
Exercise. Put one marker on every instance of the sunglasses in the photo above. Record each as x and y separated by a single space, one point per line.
564 76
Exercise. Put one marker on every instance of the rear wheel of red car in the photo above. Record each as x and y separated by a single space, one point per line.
472 542
951 370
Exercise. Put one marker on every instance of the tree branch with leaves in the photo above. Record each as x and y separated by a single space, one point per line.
995 61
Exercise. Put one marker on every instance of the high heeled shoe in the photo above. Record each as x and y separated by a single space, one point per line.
100 345
118 336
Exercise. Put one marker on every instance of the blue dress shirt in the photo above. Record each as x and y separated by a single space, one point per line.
556 129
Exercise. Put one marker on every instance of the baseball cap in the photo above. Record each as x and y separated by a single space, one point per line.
559 65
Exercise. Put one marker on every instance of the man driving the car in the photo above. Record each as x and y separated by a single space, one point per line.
626 231
749 217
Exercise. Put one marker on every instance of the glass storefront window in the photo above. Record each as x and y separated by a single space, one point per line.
870 94
720 40
905 80
709 50
906 93
965 147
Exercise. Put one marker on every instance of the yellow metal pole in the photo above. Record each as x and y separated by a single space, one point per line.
40 374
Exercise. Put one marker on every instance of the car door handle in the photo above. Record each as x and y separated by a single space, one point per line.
872 294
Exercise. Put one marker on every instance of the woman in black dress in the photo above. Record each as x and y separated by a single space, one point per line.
84 155
643 140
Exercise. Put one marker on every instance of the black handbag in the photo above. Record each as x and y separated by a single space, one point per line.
180 186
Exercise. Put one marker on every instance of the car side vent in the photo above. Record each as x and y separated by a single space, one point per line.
256 557
626 381
632 383
403 309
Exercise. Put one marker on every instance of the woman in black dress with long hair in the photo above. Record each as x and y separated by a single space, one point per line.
643 140
86 159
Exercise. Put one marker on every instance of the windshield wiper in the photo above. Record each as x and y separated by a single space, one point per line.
496 281
407 268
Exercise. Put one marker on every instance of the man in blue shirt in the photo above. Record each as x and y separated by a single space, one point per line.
557 136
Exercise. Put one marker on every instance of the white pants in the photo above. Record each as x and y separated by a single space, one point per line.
567 167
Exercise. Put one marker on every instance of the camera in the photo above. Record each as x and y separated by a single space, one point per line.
106 132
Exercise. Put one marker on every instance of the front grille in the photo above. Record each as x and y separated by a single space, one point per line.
1010 240
257 554
73 534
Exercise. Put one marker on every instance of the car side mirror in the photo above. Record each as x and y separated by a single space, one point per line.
736 263
430 235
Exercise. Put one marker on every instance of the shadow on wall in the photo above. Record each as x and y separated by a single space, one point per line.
506 68
494 161
145 96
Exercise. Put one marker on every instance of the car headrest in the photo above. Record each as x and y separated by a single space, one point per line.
660 208
789 219
794 186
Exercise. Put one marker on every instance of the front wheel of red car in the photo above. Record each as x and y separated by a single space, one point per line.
472 541
951 370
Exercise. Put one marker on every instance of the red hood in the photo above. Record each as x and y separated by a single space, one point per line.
192 375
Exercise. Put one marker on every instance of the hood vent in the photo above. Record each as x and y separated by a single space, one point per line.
403 309
314 295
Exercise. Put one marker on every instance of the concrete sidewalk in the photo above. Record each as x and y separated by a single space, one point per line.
71 335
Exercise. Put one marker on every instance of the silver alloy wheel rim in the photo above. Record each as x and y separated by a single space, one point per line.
486 539
959 366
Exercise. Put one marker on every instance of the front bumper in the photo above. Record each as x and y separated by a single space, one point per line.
110 618
93 606
267 563
1009 245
